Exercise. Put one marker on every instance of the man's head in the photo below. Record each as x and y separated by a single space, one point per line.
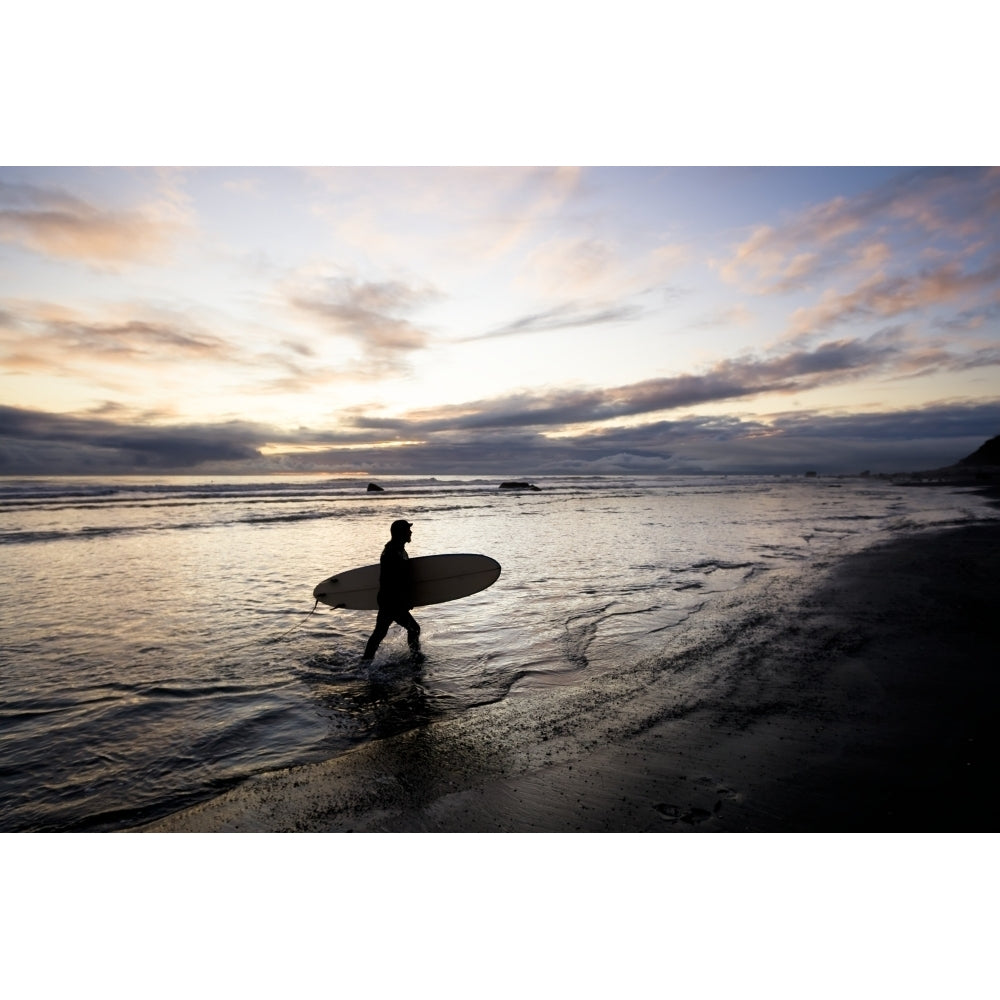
400 530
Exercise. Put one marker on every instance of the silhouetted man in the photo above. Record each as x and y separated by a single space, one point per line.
394 594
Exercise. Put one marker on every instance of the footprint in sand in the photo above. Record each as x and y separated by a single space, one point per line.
674 814
696 815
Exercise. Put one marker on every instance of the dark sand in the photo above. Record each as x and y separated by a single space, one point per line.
861 698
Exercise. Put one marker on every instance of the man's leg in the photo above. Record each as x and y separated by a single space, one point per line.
412 630
382 623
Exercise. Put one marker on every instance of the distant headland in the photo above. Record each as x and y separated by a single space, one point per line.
982 467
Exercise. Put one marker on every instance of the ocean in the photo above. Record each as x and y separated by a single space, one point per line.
159 642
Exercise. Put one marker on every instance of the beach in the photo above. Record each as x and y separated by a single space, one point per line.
857 697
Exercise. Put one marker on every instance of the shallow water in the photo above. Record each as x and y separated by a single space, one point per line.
159 640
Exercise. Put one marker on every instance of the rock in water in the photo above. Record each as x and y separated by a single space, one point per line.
519 486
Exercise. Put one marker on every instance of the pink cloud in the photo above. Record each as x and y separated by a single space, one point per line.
850 234
52 222
887 296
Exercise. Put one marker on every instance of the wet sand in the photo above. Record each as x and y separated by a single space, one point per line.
860 697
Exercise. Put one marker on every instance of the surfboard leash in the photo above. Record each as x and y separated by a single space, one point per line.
298 624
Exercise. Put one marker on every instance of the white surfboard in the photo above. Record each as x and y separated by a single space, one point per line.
434 580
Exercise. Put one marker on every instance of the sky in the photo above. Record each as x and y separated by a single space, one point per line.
504 321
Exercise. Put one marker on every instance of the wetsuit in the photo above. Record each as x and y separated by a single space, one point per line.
394 599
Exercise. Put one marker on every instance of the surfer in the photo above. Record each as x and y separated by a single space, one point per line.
394 599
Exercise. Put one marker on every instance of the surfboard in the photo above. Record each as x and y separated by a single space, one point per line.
434 579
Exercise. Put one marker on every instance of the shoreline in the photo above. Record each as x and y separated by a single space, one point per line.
861 701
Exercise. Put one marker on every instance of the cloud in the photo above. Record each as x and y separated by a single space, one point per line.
117 442
135 339
43 339
566 316
506 429
973 319
905 440
114 440
37 442
834 361
591 274
53 341
940 205
370 313
571 267
884 296
725 316
475 213
52 222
